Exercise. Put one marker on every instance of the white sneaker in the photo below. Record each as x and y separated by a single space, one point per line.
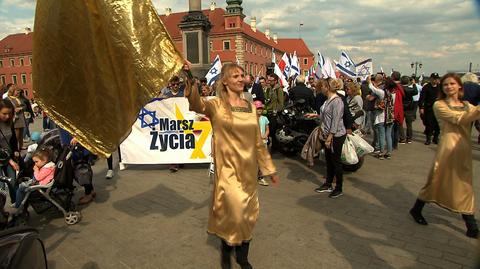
262 182
122 166
109 174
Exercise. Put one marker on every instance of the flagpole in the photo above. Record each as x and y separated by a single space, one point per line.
300 30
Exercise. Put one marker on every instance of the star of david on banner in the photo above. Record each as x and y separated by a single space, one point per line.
143 116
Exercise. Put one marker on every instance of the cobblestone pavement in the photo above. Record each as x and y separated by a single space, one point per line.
147 217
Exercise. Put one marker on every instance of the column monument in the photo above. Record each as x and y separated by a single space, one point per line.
195 27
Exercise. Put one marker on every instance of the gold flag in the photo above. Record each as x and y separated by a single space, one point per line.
96 63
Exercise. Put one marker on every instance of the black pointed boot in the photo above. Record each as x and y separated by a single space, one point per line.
416 212
242 256
226 255
471 223
428 141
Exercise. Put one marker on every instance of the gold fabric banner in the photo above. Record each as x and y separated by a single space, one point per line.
96 63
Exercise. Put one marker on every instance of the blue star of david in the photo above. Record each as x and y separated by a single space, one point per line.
214 71
144 113
365 70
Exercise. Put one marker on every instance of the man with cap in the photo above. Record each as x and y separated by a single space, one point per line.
428 96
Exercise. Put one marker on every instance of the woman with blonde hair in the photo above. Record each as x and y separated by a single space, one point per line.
238 152
19 119
355 103
333 133
449 183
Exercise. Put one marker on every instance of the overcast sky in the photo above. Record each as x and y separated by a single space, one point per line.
442 34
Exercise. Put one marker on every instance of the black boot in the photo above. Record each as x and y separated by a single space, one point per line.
435 140
416 212
429 140
225 261
242 256
471 223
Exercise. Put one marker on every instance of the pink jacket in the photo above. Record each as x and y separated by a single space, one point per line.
45 174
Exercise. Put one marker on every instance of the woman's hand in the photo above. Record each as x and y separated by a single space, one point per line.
275 179
328 141
14 165
73 142
311 115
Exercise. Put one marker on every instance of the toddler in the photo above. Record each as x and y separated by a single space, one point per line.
43 172
264 132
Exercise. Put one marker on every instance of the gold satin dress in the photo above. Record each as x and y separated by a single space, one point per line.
450 179
238 153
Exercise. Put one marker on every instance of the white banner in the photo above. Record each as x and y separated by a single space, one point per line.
166 132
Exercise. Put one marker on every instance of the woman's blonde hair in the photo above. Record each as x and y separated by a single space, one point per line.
221 87
470 77
354 87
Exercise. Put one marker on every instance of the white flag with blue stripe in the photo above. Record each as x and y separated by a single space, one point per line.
364 69
295 68
346 65
319 72
214 72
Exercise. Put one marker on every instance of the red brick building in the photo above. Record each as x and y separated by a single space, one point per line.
234 40
16 61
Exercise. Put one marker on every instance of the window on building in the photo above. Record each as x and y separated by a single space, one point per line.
246 46
251 48
21 62
226 45
305 72
305 60
232 25
210 44
14 79
1 63
24 78
30 59
12 62
3 79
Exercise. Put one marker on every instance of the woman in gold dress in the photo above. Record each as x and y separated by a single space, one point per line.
238 152
449 183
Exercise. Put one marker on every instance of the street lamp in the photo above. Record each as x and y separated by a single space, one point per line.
416 65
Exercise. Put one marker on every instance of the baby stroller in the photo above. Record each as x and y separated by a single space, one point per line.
56 195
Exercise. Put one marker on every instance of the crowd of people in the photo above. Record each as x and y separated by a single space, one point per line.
245 113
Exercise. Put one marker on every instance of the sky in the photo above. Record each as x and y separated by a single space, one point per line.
441 34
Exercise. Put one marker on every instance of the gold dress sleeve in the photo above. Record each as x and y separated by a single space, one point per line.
199 104
443 112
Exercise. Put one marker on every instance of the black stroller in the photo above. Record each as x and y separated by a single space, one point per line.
56 195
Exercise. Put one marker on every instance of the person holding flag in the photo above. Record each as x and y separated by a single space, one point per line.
238 153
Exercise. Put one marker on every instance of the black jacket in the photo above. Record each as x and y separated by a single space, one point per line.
408 97
428 96
302 92
257 92
13 143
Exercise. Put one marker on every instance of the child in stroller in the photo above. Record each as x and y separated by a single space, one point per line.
58 193
44 170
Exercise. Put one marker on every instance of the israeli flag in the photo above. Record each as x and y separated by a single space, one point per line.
295 68
328 71
285 65
364 69
214 72
346 65
320 66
